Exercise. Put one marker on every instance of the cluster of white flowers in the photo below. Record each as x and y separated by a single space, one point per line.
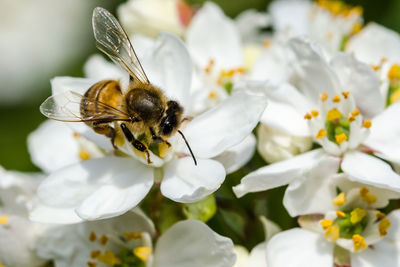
316 97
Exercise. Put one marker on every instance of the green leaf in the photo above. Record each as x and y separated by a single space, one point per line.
202 210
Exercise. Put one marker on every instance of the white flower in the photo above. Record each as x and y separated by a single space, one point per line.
18 236
344 228
128 239
349 91
109 186
150 17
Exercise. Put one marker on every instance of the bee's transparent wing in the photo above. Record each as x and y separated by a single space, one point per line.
67 107
113 41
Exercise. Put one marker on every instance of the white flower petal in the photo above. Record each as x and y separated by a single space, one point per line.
385 132
97 188
46 214
298 248
313 193
384 253
315 76
225 125
168 65
193 243
277 174
363 83
98 68
394 230
258 256
185 182
212 35
374 43
370 170
78 85
237 156
52 146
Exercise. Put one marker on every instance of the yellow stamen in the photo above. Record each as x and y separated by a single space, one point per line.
323 97
89 263
332 233
212 95
314 113
367 124
103 240
143 253
240 70
267 43
394 72
339 199
384 224
340 138
345 94
375 67
380 215
357 28
357 215
3 219
92 237
108 258
95 253
84 155
326 224
359 243
355 112
340 214
367 196
131 235
336 99
394 97
321 133
351 118
307 116
209 66
76 135
333 114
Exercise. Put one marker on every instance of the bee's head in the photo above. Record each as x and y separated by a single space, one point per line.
171 120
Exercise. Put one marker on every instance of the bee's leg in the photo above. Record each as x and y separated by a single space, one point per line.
157 139
106 130
136 143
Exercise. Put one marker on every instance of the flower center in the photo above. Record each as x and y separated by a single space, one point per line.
351 223
339 8
394 85
127 256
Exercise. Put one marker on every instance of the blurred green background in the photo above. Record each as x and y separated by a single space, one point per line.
20 118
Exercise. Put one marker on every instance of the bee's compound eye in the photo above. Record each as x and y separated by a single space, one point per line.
167 125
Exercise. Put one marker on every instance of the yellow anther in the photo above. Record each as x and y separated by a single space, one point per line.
351 118
103 240
209 66
340 214
240 70
355 112
375 67
357 215
367 124
108 258
339 199
367 196
314 113
384 224
307 116
76 135
336 99
394 72
357 27
323 97
359 243
340 138
345 94
329 35
394 97
212 95
321 133
267 43
332 233
326 224
3 219
89 263
95 253
92 237
84 155
380 215
132 235
333 114
143 253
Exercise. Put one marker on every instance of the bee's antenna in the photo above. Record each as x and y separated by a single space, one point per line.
187 144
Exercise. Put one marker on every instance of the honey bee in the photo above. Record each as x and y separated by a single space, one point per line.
141 114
